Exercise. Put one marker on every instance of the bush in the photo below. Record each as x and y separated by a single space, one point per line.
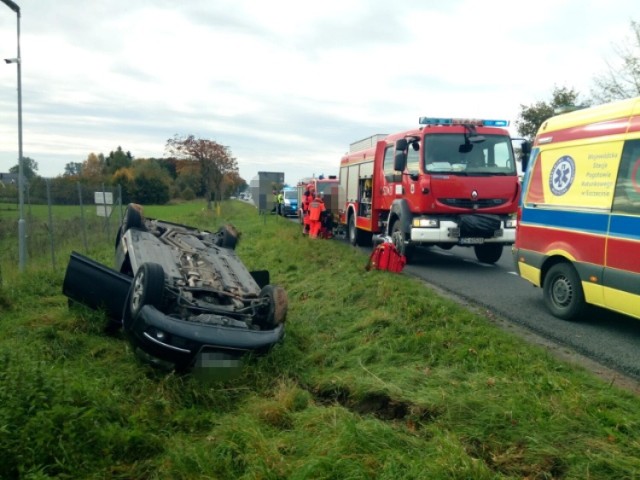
188 194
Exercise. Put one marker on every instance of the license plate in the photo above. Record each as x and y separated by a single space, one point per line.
471 241
215 365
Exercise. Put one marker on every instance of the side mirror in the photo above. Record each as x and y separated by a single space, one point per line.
400 157
525 148
400 161
465 147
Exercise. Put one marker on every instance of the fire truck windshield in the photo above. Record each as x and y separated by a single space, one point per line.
325 187
449 153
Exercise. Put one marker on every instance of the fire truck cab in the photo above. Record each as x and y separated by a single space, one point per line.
449 182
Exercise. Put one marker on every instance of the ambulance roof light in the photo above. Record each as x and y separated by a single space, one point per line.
463 121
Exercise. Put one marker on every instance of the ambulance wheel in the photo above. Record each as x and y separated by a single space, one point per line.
488 252
399 240
563 292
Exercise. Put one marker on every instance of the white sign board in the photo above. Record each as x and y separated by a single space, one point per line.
103 198
103 210
103 201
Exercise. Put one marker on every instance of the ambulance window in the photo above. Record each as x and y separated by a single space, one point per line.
627 194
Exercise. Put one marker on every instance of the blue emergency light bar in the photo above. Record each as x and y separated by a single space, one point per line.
463 121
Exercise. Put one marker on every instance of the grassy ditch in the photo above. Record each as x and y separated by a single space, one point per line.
378 377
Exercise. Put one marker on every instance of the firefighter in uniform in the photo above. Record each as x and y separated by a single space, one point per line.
308 195
316 210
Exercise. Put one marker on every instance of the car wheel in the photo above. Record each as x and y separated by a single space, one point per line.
275 312
132 219
488 252
563 292
227 237
147 288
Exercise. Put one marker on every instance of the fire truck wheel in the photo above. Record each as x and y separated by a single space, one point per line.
353 231
488 252
357 236
399 240
563 293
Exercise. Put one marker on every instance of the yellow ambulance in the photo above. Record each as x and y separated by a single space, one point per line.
578 233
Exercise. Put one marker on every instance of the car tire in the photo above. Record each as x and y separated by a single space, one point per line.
228 238
563 292
275 312
147 288
132 219
488 252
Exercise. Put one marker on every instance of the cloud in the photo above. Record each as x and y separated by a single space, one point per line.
287 88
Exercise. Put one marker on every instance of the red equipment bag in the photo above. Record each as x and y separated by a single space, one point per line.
386 257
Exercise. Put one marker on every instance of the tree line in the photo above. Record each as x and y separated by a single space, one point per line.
194 167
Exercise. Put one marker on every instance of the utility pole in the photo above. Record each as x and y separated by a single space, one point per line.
22 249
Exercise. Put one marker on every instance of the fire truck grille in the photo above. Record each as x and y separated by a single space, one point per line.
475 204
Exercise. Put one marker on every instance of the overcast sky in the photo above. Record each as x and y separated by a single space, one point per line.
286 85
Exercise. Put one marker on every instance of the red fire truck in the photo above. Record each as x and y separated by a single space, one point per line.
448 182
325 186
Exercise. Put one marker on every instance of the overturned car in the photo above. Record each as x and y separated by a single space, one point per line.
181 295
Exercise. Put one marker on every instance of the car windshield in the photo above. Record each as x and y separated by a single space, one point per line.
446 153
290 194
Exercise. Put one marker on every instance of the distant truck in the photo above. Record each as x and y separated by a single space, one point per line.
448 182
261 188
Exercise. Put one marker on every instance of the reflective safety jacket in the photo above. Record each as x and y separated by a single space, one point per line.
316 207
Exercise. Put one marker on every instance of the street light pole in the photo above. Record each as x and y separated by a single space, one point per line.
21 222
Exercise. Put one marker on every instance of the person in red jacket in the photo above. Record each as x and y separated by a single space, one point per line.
308 195
316 209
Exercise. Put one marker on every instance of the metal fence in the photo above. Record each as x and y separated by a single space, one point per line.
57 223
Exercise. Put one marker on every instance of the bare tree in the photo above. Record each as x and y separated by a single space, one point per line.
623 78
215 161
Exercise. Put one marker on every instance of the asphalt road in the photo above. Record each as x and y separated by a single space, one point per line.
606 338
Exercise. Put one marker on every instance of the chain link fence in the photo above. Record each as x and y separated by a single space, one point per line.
79 217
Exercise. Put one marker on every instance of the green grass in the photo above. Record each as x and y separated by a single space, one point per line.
378 378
